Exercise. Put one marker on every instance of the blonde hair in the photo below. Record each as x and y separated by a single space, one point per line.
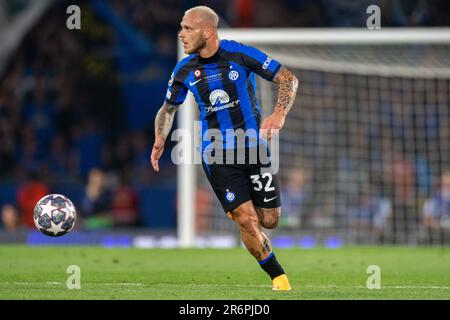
207 13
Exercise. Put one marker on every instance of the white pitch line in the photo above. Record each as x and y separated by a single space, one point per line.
417 287
55 283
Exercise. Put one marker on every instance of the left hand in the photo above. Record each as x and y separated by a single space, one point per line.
272 124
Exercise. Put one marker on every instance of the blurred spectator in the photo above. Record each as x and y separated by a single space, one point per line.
88 141
141 151
294 196
60 160
39 113
203 209
10 218
28 195
370 215
347 13
9 121
436 210
125 204
30 156
407 13
423 175
244 13
96 202
401 174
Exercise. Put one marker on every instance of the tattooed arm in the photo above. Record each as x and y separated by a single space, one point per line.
288 84
163 124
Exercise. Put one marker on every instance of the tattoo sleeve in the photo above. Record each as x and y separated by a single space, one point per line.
288 84
164 120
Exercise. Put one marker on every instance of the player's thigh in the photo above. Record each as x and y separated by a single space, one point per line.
230 184
245 215
264 188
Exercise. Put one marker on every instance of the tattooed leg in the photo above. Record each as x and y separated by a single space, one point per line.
268 217
254 240
266 244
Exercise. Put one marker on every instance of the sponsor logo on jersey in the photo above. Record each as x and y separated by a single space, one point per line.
232 104
268 200
266 63
193 83
220 100
219 97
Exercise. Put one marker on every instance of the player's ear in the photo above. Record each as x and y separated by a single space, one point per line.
207 33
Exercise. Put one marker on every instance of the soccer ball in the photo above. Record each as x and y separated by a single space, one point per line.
54 215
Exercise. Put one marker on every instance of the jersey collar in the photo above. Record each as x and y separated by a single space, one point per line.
214 58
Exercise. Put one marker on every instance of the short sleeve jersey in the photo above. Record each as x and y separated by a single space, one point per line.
223 86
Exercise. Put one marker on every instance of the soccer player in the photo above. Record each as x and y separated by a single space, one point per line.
220 74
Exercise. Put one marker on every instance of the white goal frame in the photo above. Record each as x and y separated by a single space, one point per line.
186 179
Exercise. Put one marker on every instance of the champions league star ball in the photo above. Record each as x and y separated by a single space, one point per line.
54 215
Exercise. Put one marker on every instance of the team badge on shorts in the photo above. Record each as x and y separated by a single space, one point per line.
230 196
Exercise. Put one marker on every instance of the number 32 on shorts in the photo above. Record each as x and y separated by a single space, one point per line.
256 180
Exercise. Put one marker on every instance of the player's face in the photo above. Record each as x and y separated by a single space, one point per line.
191 34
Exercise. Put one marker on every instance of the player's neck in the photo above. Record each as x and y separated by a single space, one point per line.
210 49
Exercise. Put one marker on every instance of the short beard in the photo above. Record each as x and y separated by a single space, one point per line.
200 45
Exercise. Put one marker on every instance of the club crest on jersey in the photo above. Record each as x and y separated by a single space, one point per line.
233 75
197 73
219 97
230 196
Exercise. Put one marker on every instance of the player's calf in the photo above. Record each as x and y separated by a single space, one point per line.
248 224
258 244
269 217
246 218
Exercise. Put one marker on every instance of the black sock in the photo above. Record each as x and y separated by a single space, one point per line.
271 266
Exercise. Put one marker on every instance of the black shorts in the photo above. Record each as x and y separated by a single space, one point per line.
235 184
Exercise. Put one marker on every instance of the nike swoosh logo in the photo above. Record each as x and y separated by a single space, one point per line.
268 200
192 83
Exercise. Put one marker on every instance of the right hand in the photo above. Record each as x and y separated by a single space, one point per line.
157 151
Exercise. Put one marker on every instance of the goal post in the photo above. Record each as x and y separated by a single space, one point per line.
351 77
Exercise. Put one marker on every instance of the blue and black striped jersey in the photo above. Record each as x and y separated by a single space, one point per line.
223 86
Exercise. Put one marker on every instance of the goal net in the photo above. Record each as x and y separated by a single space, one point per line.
364 148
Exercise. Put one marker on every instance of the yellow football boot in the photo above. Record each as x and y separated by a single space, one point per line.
281 283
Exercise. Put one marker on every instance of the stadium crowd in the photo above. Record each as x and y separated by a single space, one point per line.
60 86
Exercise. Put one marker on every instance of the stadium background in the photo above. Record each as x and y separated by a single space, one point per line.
77 110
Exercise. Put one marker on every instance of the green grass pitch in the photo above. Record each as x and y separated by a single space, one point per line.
223 274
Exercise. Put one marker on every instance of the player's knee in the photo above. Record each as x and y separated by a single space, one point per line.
270 218
270 224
